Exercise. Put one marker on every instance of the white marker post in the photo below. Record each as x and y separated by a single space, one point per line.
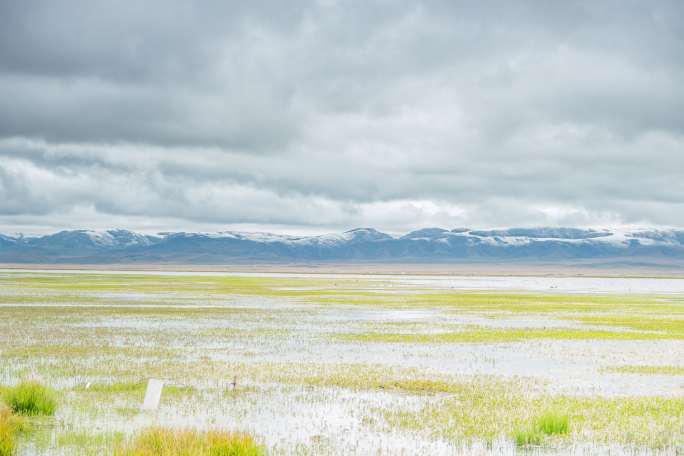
153 394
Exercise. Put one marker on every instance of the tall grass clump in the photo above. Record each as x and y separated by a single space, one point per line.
553 424
527 437
171 442
8 428
548 424
31 398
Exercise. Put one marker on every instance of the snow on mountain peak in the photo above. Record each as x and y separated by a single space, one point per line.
426 233
359 243
365 234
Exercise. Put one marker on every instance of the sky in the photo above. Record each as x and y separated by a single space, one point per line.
309 117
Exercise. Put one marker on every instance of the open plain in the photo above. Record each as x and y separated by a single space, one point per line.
350 364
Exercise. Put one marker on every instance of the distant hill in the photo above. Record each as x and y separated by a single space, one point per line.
648 246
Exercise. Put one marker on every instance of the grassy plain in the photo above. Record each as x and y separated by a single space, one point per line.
366 364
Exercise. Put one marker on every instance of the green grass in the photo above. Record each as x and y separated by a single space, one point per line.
169 442
552 423
548 424
31 399
528 437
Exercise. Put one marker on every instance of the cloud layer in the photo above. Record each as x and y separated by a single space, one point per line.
321 115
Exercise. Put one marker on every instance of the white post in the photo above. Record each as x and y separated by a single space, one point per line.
153 394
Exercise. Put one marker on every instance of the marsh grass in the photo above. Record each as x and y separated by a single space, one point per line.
553 423
63 329
114 387
548 424
528 437
89 442
485 335
8 430
672 324
362 378
133 387
646 370
83 287
171 442
31 399
493 409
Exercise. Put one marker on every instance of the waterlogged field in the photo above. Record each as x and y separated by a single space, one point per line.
307 364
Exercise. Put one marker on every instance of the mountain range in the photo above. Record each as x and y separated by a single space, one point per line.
551 245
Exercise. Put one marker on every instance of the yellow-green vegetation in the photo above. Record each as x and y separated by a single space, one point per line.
528 437
647 370
494 335
552 423
663 316
362 379
79 285
31 398
58 287
492 409
136 387
170 442
88 442
549 424
9 426
227 346
672 324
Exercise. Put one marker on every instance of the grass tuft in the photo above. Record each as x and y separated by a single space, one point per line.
9 425
170 442
552 423
31 398
528 437
548 424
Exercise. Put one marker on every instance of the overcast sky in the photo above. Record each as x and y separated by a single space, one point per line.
319 116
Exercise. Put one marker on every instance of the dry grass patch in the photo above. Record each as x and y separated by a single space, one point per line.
9 426
172 442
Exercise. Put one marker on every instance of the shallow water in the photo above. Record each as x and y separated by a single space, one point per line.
255 332
622 285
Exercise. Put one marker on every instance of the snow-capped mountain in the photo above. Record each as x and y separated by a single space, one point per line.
88 240
361 244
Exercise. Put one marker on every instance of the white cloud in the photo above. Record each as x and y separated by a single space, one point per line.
316 117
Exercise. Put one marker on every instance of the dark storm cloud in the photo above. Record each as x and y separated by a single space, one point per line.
334 114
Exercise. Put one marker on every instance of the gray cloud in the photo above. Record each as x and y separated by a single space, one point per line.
321 115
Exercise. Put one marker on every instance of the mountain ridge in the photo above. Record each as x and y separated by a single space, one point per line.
359 244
